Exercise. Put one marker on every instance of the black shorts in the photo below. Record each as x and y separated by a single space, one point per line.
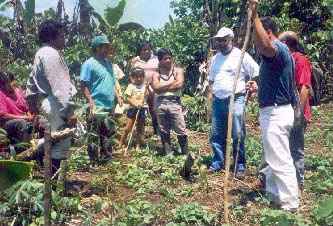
131 113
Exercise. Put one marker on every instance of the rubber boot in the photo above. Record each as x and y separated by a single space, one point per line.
92 150
183 143
186 170
166 142
155 126
105 149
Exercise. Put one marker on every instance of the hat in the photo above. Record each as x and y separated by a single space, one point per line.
99 40
224 32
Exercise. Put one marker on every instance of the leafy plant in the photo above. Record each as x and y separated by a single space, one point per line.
13 171
192 214
323 214
196 116
281 218
136 212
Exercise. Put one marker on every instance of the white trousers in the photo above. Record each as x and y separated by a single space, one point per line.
280 173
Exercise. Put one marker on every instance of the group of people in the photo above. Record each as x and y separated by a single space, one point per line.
282 81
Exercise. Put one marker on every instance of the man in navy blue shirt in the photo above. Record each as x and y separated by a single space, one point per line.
276 97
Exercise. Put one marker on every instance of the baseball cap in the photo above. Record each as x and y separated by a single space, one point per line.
224 32
99 40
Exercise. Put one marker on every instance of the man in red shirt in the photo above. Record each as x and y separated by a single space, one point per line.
303 85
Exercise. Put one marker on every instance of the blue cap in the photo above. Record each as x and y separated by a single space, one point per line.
99 40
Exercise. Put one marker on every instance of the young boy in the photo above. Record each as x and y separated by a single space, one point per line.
136 96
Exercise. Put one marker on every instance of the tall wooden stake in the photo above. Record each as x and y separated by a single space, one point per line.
231 110
47 176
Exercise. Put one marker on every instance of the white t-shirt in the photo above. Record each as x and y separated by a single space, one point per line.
223 70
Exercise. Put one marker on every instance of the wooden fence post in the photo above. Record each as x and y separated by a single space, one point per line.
47 176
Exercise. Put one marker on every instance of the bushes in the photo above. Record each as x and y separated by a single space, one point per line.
197 112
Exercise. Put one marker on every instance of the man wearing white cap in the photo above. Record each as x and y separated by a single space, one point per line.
221 78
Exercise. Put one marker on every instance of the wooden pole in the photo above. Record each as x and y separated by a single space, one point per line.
131 134
231 110
47 176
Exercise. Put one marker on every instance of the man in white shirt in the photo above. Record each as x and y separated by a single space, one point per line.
50 89
222 72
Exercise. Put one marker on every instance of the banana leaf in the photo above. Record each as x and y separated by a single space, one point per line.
13 171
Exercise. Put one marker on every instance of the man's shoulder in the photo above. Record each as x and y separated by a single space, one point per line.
178 69
300 56
89 61
130 86
236 50
47 51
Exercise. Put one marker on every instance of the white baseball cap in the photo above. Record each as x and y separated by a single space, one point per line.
224 32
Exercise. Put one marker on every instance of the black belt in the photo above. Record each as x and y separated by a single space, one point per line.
273 104
236 96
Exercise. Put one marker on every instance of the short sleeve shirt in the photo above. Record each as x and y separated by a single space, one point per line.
99 78
303 73
276 78
223 69
136 92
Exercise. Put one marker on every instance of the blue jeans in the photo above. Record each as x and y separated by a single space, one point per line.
219 130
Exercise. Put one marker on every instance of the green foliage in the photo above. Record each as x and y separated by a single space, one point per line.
13 171
323 214
192 214
24 202
196 116
271 217
113 15
136 212
75 55
29 11
254 148
178 35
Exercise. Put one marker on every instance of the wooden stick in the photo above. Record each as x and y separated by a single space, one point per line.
131 134
231 110
47 176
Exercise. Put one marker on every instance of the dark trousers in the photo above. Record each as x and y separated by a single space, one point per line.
296 144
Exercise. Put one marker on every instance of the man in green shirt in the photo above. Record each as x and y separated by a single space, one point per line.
99 83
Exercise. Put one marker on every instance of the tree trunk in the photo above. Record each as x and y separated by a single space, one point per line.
85 13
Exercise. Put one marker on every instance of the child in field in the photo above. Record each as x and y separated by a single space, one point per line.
136 96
